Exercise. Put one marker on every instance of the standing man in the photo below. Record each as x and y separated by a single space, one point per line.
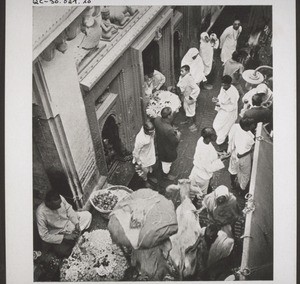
258 112
228 40
167 140
234 68
227 107
241 147
206 161
190 92
144 151
59 225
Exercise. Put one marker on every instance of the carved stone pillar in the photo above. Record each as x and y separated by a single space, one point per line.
59 82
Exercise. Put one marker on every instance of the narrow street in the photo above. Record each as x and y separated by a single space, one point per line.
182 167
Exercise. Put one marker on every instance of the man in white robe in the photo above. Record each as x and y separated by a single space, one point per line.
206 161
190 92
227 107
241 146
228 40
144 150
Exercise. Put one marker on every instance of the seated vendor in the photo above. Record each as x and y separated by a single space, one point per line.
59 225
154 80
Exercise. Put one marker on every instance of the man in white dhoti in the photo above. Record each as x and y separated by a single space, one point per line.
59 225
228 40
227 106
241 141
193 59
190 92
144 151
206 161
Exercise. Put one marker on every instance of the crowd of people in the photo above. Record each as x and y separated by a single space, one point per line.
231 136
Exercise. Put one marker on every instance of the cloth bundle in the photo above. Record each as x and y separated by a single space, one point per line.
143 220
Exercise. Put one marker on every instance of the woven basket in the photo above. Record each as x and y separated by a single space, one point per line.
105 213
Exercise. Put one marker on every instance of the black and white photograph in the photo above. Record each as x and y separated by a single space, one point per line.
154 137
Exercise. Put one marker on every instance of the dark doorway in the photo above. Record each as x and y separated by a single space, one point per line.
111 141
177 57
151 57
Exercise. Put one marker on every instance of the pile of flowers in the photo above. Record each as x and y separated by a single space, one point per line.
105 200
162 99
94 258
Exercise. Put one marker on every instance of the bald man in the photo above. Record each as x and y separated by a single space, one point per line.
144 151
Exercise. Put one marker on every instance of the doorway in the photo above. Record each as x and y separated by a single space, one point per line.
150 57
111 142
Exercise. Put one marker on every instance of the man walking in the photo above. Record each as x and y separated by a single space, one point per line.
167 140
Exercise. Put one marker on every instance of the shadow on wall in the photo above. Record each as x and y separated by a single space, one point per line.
59 182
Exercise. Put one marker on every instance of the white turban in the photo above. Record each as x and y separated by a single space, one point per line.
262 88
222 190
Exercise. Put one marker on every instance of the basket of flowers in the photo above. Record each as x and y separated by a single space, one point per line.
105 200
161 99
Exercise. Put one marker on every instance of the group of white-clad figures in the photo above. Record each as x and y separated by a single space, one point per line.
257 107
231 136
195 250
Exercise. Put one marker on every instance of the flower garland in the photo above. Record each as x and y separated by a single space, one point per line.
94 258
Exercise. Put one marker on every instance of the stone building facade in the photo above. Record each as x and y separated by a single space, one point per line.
87 102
